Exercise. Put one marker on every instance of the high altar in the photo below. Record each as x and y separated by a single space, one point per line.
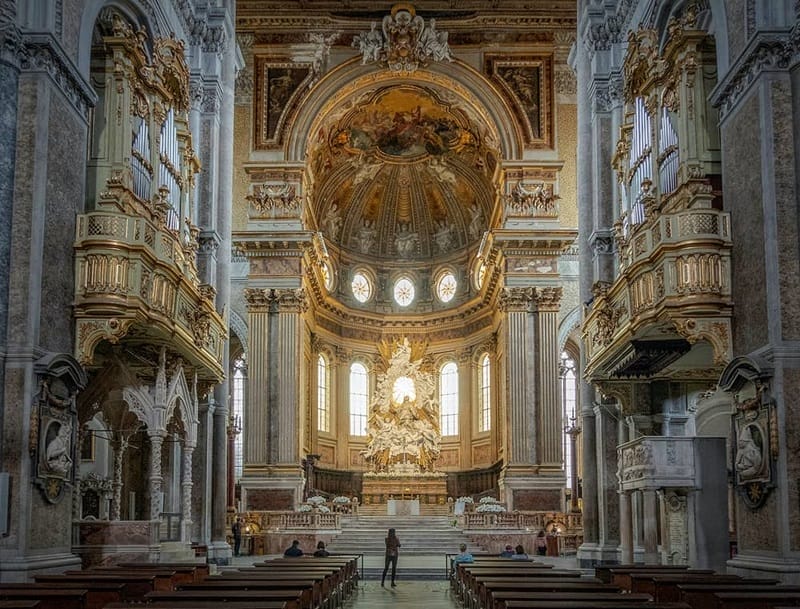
403 434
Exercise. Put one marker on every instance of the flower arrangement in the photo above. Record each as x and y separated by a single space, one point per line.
306 507
465 499
316 500
485 500
490 507
341 500
324 509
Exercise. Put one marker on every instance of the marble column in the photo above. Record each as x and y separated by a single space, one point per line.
342 411
186 493
466 371
202 473
155 476
255 414
650 526
587 551
606 428
625 528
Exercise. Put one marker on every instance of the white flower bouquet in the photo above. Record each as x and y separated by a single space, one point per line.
341 500
465 499
490 507
316 500
485 500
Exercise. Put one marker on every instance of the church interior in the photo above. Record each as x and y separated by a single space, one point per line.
485 264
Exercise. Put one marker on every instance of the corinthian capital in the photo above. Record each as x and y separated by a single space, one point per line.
291 301
548 299
257 299
516 299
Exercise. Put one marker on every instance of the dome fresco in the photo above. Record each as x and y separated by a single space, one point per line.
402 176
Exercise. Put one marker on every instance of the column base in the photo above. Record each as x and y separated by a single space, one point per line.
783 568
23 569
593 554
219 553
533 493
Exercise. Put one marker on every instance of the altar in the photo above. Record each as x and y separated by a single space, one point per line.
430 489
402 507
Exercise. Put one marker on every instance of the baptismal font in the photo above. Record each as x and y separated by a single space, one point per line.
403 432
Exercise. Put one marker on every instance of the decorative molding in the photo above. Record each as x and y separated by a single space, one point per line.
607 95
533 200
766 52
565 82
601 242
516 300
275 201
548 299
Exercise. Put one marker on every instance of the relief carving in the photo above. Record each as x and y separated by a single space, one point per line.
532 200
274 201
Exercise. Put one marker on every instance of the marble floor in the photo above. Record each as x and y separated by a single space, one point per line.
407 594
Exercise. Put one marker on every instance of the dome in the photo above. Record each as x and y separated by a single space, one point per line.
402 175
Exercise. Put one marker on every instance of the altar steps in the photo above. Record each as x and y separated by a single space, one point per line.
419 535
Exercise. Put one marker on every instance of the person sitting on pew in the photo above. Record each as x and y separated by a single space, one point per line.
508 552
519 553
463 556
294 550
321 551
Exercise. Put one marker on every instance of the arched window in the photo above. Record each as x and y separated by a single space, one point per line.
485 394
448 398
569 393
359 388
238 416
323 395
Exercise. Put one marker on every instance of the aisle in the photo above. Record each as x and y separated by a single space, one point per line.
408 594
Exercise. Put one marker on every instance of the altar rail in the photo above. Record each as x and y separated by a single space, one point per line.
257 522
521 520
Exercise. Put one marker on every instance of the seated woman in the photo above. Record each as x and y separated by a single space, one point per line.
321 552
519 554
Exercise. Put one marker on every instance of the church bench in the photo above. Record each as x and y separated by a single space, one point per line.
201 570
624 577
589 603
604 572
199 605
756 600
349 563
702 595
180 575
48 598
666 585
467 576
327 586
497 594
136 586
98 593
163 578
500 598
293 598
314 587
19 604
339 579
483 586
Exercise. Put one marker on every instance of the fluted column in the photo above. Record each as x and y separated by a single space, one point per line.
551 426
341 406
521 390
255 413
626 528
155 475
466 407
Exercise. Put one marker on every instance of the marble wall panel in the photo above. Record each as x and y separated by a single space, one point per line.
567 141
243 135
269 499
741 138
791 387
537 499
757 529
66 173
735 18
72 14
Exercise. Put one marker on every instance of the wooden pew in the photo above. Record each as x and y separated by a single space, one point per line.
199 605
497 595
48 598
19 604
180 575
757 600
162 577
664 587
465 581
504 598
624 577
98 593
702 594
136 586
311 588
201 570
589 603
484 586
604 572
336 584
293 599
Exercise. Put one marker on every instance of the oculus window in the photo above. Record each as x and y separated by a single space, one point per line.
404 292
362 287
446 287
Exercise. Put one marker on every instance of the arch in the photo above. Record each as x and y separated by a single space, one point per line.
742 370
178 395
141 12
64 366
569 323
238 326
350 79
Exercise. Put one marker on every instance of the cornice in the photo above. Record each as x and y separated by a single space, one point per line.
41 53
771 51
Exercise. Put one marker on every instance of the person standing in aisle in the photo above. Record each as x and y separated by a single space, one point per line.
392 549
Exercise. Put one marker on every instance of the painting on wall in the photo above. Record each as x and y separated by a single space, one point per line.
526 83
279 87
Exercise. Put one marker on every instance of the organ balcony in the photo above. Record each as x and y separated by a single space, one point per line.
670 303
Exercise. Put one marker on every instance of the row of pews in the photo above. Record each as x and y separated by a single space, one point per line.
497 583
284 583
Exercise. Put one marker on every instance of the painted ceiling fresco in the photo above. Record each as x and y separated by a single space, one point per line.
402 175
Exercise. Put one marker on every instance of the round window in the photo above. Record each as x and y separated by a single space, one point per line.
403 292
446 287
361 286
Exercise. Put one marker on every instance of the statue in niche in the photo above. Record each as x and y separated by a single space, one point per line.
365 238
58 449
406 241
443 236
403 434
333 221
370 44
434 44
749 452
476 221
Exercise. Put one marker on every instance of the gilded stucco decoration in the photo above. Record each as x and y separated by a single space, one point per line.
280 85
533 199
404 42
402 175
526 82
